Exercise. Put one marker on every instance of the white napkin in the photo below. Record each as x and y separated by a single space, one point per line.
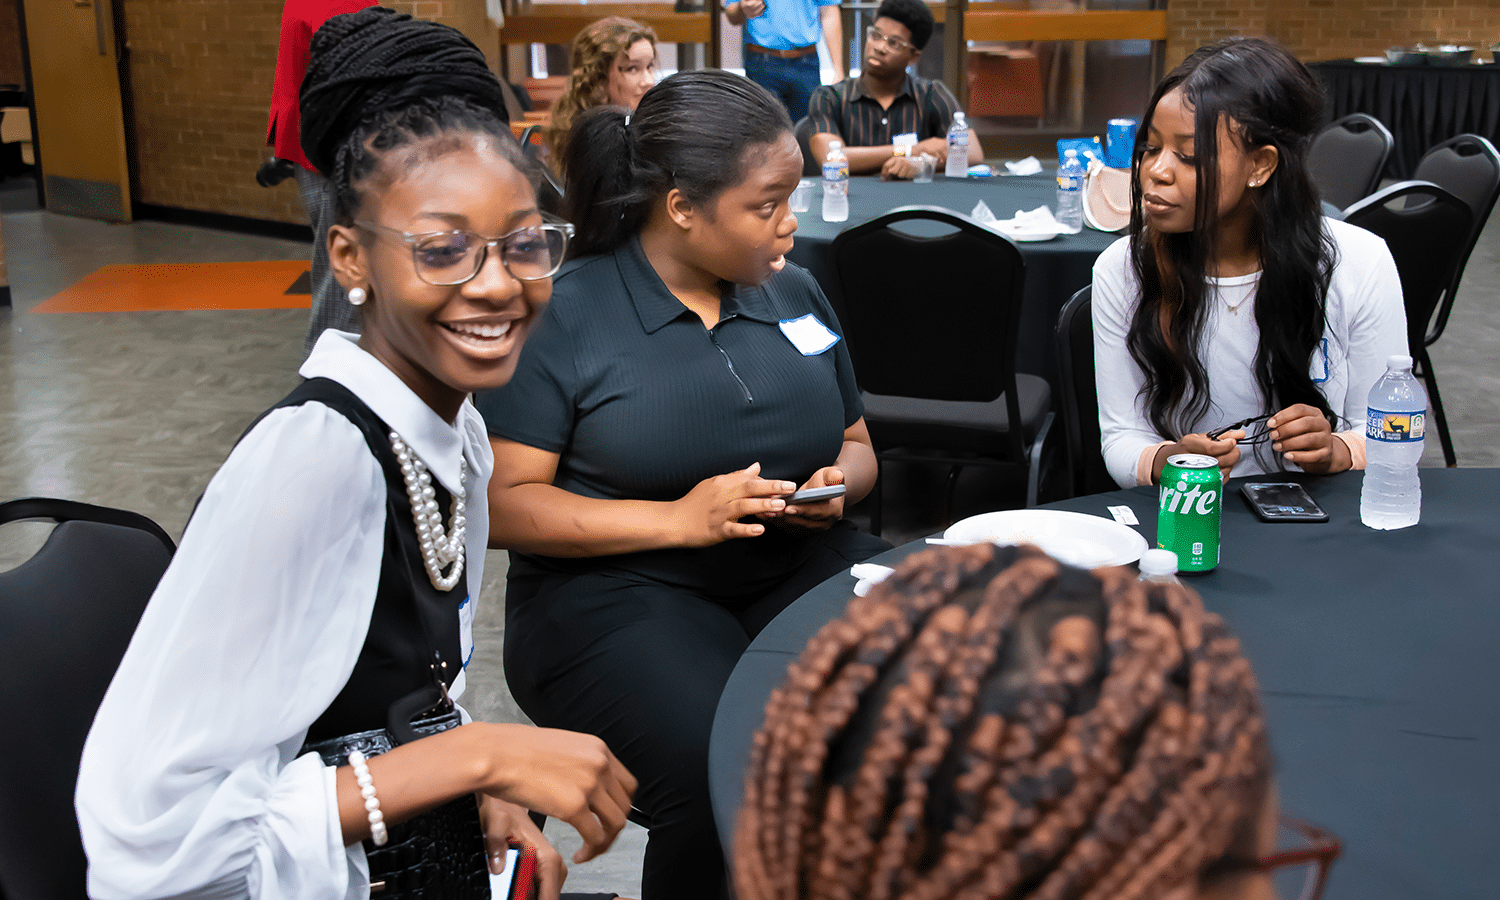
1029 222
1028 166
869 575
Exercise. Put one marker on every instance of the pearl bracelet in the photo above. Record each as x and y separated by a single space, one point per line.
367 790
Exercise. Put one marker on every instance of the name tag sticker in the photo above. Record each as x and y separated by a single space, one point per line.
809 335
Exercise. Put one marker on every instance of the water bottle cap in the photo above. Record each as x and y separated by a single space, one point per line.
835 145
1158 562
958 118
1071 154
1398 361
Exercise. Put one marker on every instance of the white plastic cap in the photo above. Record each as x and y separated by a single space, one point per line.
1157 561
1398 361
1070 154
958 118
835 145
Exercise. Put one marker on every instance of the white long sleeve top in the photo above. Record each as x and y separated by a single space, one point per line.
191 784
1366 324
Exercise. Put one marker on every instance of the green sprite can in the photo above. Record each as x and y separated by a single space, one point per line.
1190 504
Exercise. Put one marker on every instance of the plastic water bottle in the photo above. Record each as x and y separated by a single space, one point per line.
1392 494
958 148
1070 193
836 184
1159 566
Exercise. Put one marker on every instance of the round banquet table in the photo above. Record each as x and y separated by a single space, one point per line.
1378 658
1055 269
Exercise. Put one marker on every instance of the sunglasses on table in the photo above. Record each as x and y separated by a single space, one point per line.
1259 438
447 258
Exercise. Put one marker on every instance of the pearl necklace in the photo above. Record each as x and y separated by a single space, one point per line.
440 546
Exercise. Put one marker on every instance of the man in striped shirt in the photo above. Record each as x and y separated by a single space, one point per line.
869 112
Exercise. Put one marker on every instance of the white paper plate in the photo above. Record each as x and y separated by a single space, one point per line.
1371 60
1074 538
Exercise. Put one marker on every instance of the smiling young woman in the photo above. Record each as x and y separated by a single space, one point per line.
322 599
1233 297
614 63
684 380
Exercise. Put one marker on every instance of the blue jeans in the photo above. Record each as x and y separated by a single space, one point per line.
791 80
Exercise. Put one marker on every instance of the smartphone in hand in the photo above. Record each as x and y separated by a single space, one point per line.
816 495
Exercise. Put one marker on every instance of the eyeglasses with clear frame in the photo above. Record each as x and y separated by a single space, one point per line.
1299 867
876 36
447 258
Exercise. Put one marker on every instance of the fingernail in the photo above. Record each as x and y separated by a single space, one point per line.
788 486
778 504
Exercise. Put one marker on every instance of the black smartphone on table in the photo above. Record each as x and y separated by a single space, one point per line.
1282 502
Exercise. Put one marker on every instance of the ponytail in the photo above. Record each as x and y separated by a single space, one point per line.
694 131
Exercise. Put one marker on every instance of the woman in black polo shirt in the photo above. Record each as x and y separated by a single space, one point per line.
683 381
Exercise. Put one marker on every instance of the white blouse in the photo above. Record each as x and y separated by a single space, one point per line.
1366 324
190 784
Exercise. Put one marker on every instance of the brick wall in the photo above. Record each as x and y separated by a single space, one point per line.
1332 29
200 76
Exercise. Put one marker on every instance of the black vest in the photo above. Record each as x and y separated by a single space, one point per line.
413 625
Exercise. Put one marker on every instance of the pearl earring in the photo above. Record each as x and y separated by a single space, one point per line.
357 296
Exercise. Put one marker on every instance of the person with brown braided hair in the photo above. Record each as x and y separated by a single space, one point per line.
989 723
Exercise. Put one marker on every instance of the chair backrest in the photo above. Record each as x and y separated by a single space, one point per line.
804 132
530 138
1347 157
66 617
933 317
1425 228
1468 167
1087 473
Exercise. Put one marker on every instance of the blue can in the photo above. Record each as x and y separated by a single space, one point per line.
1119 143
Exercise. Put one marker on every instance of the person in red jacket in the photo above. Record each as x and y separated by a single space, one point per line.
299 19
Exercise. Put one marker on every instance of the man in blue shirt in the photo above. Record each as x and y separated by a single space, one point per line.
781 45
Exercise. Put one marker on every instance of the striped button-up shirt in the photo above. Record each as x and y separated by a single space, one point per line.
922 107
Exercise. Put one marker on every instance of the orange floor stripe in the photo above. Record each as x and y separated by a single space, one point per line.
243 285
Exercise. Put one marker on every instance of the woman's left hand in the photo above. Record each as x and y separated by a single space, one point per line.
1304 436
505 822
818 516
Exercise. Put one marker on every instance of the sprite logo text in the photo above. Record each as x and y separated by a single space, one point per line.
1185 499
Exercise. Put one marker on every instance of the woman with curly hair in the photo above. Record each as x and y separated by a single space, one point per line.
614 64
991 724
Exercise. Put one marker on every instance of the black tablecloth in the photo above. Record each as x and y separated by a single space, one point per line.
1421 105
1378 655
1054 269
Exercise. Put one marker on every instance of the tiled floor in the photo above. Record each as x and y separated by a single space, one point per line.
137 409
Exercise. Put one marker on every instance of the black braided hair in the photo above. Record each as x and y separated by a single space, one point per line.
378 79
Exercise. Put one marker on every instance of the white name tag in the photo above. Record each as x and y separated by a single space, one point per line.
808 334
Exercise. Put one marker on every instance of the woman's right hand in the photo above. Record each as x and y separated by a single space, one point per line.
711 511
1226 449
563 774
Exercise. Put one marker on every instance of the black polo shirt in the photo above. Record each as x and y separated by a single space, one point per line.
922 107
641 401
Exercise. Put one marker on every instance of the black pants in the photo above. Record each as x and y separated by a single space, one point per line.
641 665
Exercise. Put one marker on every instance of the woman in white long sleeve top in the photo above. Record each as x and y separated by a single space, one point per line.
1270 311
304 583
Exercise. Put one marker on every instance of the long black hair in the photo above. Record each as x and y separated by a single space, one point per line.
1268 99
376 80
695 131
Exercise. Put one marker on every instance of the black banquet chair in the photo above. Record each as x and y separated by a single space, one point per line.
1347 157
1078 403
66 617
1426 229
549 193
932 324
